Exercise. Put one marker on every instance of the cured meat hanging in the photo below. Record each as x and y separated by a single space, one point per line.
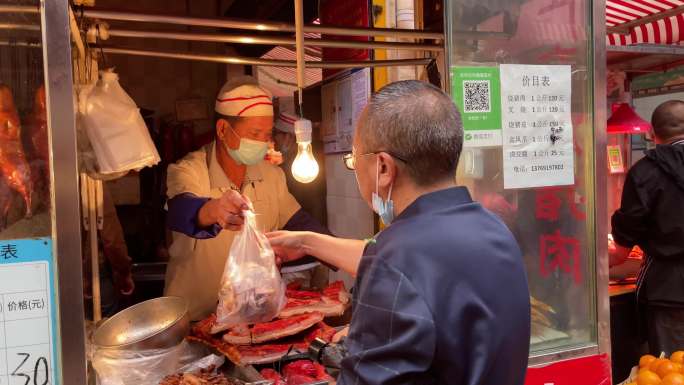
13 165
332 301
36 127
269 331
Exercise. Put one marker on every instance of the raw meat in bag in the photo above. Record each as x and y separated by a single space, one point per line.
252 290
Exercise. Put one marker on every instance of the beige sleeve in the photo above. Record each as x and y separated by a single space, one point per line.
182 178
287 204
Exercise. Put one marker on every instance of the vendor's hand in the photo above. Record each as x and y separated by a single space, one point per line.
225 211
287 245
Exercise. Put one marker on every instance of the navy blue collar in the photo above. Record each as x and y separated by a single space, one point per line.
436 201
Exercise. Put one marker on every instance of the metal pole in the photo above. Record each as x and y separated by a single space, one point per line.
265 62
272 26
94 249
299 50
20 26
19 9
271 40
64 176
258 25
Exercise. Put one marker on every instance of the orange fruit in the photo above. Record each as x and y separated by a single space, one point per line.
677 357
647 377
673 379
646 360
665 368
653 366
678 366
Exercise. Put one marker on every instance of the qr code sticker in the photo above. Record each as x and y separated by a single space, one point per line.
476 96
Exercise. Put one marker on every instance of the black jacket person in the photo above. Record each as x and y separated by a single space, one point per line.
651 216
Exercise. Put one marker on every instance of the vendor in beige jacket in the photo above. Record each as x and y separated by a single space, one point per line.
209 188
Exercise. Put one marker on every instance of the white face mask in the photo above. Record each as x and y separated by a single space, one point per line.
249 152
384 209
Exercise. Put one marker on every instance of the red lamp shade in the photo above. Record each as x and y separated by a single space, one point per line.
625 121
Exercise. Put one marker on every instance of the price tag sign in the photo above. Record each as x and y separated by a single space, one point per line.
537 126
615 162
27 314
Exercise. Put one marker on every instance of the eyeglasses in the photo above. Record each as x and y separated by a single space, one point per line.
350 160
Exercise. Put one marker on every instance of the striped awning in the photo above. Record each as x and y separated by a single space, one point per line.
282 81
641 24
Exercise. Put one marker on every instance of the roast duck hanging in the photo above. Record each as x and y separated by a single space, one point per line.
36 131
14 168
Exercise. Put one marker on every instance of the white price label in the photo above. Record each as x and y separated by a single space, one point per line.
26 313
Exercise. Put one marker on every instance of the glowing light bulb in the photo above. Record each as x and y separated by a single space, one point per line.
304 166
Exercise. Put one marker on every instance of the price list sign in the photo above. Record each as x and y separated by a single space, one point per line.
27 317
537 126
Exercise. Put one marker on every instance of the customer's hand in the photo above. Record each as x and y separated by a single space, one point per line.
225 211
287 245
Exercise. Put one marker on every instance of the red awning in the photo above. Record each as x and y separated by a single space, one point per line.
663 31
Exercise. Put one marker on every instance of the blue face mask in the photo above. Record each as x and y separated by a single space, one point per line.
250 152
384 209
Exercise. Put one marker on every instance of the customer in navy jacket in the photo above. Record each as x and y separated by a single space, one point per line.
441 294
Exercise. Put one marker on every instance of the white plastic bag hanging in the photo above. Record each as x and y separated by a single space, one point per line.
252 290
116 129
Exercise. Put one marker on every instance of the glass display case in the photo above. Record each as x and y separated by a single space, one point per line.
523 74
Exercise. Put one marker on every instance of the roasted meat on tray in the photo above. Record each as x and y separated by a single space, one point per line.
292 331
207 376
13 165
298 373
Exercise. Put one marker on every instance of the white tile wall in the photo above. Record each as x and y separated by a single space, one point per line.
340 181
348 214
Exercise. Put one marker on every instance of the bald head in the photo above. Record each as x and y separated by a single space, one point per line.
668 121
417 122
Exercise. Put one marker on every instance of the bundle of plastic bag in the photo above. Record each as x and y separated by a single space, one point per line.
115 128
252 290
128 367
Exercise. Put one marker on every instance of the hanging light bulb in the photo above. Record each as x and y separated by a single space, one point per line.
304 166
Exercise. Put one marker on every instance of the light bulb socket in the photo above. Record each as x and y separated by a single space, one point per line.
302 129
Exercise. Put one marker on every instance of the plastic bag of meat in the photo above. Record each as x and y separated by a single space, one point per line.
252 290
115 128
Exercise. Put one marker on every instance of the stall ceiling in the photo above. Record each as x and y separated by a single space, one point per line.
272 10
645 58
644 21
